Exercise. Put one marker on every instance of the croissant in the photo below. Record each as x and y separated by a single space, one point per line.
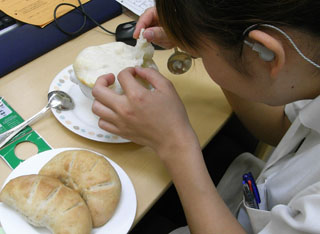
46 202
92 176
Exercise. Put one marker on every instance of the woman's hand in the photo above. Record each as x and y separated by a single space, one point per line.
153 32
156 118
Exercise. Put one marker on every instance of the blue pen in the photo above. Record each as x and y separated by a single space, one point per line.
248 177
248 196
255 188
245 177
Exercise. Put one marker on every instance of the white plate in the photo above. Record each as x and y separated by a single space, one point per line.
80 120
120 223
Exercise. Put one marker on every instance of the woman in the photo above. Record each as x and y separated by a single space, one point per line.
245 48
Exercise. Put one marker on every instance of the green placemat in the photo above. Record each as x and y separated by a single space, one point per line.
9 118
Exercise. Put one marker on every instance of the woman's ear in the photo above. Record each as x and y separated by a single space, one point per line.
273 45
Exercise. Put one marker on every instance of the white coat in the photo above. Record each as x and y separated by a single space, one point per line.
288 183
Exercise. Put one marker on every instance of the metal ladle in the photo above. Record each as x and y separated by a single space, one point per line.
56 99
179 62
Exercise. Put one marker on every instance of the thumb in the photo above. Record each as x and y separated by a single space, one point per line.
157 36
151 76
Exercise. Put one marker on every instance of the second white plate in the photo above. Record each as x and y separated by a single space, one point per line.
120 223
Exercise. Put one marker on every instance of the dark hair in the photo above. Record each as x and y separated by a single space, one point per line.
225 20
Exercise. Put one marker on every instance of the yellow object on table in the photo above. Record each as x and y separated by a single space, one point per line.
35 12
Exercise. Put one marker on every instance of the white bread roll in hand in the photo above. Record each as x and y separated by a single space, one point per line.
113 57
46 202
92 176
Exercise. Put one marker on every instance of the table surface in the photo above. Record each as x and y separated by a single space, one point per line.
26 88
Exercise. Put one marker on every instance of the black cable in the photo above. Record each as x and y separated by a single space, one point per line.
85 15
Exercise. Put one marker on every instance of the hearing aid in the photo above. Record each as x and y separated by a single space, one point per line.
265 53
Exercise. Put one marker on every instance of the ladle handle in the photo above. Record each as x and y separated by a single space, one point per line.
8 135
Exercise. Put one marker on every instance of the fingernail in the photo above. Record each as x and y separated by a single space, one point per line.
149 35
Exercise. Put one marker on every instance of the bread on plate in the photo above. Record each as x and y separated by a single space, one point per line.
92 176
46 202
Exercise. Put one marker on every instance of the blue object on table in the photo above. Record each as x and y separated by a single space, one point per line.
27 42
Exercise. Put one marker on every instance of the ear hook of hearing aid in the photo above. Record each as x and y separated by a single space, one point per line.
268 55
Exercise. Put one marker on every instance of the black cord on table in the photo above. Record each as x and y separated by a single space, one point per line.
85 15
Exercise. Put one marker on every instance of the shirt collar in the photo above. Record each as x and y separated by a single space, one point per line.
310 115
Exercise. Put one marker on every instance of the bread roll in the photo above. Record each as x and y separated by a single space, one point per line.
113 57
92 176
46 202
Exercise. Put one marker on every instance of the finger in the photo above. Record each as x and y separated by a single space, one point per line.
107 126
103 111
106 80
103 94
128 81
151 76
147 19
158 36
149 34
